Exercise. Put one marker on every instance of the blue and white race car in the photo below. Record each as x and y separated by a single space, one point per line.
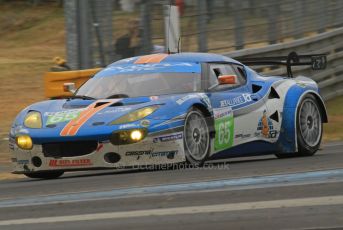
165 109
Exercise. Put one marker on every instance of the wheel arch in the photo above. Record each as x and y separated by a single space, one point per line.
208 115
322 107
288 138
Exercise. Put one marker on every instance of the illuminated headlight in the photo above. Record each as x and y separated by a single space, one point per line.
125 137
136 135
24 142
33 120
135 115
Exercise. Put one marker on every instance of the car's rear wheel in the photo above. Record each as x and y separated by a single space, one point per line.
309 128
45 175
196 137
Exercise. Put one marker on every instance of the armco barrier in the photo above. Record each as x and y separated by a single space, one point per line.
330 80
53 81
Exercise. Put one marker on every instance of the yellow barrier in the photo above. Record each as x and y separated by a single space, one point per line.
53 81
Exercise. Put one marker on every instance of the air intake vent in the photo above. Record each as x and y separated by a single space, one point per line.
100 104
273 94
117 104
69 149
71 106
256 88
275 116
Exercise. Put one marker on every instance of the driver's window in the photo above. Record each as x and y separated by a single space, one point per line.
217 70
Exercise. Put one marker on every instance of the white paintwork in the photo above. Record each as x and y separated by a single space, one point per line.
246 125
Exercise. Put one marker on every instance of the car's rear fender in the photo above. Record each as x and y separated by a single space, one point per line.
288 135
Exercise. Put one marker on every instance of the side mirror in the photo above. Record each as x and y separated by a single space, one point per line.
227 79
69 87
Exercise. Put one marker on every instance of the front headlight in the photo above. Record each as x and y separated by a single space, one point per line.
135 115
24 142
33 120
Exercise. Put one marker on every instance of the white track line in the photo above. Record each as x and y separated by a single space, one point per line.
287 203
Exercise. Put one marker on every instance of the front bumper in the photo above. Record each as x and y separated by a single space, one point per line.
153 150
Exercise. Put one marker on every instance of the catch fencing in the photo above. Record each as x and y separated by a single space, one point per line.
330 80
237 28
95 26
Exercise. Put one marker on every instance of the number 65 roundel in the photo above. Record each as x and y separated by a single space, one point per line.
224 125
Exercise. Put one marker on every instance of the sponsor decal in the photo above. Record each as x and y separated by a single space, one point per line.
206 100
242 136
128 126
73 126
138 154
149 66
239 100
222 112
116 110
302 84
150 154
145 123
23 162
265 127
20 129
224 127
62 116
168 154
186 98
171 137
70 163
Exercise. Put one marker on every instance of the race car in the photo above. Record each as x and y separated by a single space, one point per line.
171 108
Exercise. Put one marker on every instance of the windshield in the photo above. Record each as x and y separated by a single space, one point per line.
136 85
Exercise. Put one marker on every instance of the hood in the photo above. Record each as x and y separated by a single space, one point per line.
56 113
91 118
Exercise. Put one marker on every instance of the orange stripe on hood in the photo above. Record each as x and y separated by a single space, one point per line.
152 58
73 126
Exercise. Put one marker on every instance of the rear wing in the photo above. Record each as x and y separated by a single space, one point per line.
316 61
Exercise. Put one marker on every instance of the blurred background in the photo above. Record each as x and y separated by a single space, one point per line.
95 28
87 34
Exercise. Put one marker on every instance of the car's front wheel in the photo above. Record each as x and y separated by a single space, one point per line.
196 137
45 175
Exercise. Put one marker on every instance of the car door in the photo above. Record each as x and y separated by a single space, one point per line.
237 111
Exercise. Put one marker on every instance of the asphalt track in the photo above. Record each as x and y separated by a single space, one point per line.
242 193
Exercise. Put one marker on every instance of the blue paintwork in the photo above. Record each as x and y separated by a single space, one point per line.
287 140
184 57
169 108
177 67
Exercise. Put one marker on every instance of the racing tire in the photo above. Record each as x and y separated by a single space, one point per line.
44 175
196 138
309 128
